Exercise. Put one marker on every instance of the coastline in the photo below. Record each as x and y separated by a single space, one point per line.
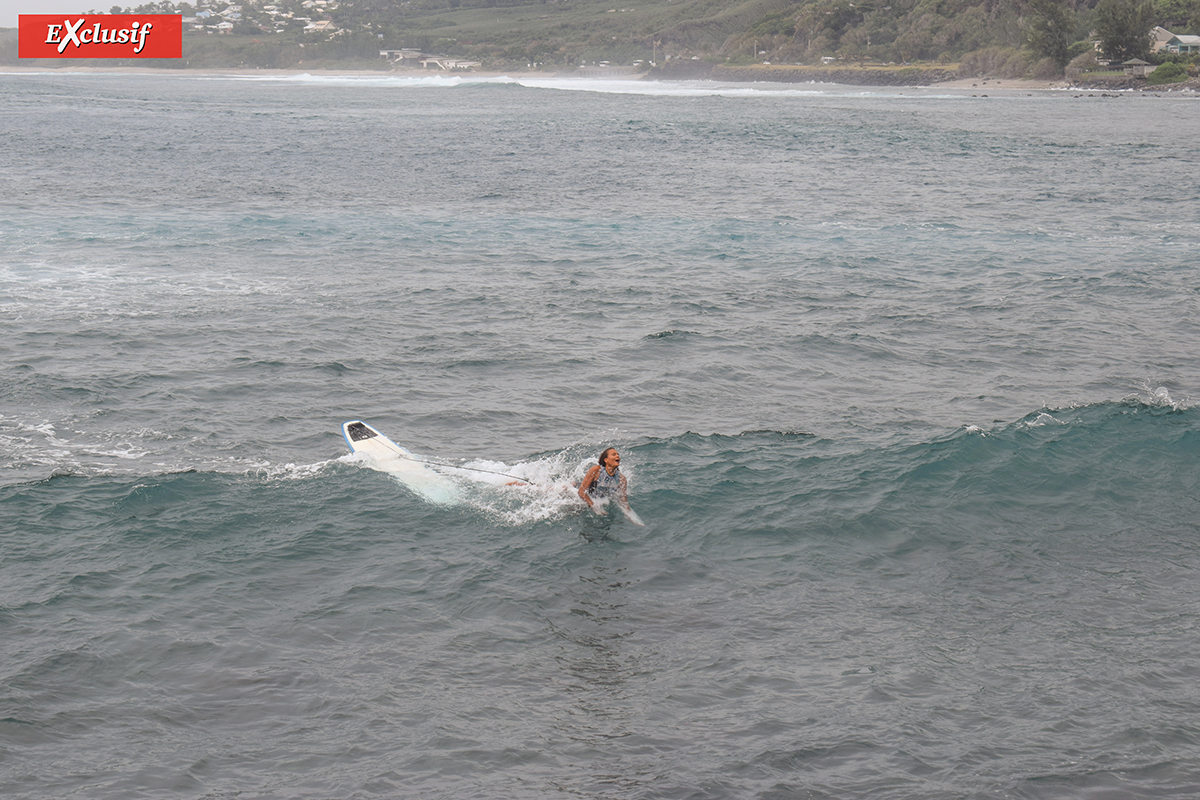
234 72
913 77
1003 84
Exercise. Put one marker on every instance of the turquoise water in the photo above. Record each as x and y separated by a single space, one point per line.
902 381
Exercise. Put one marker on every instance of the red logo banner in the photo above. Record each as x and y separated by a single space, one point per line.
100 36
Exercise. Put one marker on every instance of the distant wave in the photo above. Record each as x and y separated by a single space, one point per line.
621 86
624 86
435 80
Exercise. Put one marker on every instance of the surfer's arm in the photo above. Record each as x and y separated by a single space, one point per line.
586 484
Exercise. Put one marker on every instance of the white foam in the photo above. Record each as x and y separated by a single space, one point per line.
1162 398
524 492
550 488
1043 419
523 505
126 454
623 86
291 471
1157 397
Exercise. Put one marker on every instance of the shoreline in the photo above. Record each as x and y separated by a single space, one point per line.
781 75
1003 84
232 72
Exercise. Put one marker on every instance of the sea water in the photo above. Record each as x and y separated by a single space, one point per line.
902 381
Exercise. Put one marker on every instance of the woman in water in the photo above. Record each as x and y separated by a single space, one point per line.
604 480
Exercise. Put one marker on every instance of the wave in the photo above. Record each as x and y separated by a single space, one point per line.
616 86
1117 475
1126 464
1117 466
33 450
633 85
434 81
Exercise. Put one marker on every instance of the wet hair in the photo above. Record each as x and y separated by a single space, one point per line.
606 451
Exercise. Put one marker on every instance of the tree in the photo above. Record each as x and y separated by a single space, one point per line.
1168 73
1123 27
1048 30
1173 14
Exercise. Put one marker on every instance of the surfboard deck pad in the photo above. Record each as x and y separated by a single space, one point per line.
386 456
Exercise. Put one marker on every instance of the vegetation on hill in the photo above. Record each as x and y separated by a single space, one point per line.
1004 38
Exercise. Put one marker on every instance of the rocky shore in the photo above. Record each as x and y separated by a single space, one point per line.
867 76
1126 84
899 76
856 76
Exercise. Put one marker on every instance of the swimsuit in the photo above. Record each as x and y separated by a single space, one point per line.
605 485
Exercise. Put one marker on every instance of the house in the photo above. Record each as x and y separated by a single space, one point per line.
1183 43
1165 41
441 63
1161 37
1138 68
405 54
322 26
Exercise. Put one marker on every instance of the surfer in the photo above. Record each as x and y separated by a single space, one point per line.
604 480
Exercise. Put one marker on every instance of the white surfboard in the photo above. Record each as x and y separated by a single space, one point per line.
600 509
631 515
386 456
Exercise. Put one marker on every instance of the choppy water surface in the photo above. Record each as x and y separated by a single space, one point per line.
902 379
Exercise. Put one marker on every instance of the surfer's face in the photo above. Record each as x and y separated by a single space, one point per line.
612 459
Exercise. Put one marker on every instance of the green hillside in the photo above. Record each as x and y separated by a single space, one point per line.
751 31
1006 38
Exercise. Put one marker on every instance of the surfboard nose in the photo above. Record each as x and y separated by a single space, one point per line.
357 431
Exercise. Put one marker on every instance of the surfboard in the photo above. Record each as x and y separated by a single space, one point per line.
600 508
631 515
386 456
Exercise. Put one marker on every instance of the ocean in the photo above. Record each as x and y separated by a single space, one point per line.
902 380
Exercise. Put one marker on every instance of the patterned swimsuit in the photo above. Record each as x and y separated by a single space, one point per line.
605 485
